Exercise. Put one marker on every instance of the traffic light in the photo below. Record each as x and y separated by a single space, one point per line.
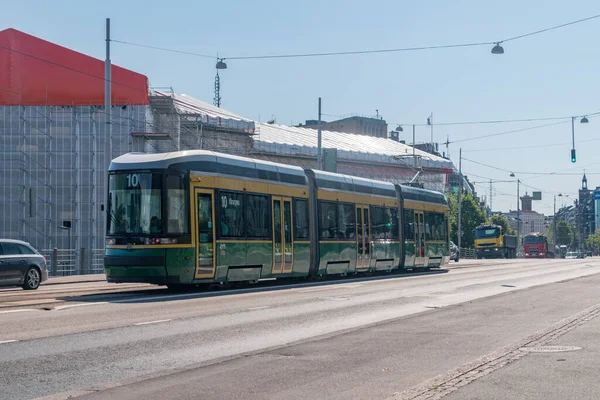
573 156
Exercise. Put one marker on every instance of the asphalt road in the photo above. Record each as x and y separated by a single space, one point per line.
363 338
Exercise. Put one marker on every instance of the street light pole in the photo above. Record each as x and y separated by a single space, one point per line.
554 218
460 186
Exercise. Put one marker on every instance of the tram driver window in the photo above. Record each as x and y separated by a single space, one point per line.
177 200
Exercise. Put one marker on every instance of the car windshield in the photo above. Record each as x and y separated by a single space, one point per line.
134 203
570 254
487 233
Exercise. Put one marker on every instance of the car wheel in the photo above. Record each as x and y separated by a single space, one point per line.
32 279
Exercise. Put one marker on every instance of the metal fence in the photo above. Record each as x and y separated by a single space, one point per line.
63 262
467 253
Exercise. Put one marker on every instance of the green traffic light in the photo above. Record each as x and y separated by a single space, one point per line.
573 156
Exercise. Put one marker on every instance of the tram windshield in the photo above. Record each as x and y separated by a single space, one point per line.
134 203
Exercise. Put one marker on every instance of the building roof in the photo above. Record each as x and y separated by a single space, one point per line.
193 109
35 72
283 139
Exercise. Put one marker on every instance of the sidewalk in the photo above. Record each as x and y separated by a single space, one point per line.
546 375
62 280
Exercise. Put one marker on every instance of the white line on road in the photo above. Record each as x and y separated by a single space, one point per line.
8 341
330 287
153 322
258 308
79 305
19 310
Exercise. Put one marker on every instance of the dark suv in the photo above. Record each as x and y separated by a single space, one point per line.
21 265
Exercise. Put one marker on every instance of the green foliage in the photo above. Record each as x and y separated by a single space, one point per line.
472 217
499 219
593 240
564 233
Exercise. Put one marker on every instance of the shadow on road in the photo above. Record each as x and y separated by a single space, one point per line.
163 294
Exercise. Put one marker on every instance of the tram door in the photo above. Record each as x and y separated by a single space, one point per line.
283 244
205 233
419 235
363 235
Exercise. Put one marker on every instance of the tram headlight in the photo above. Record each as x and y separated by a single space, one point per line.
111 241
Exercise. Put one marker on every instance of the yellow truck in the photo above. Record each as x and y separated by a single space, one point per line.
491 242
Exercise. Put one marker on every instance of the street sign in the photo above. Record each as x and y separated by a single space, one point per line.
537 195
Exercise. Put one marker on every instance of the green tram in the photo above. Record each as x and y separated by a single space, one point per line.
195 217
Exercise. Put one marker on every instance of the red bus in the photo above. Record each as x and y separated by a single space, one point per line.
535 245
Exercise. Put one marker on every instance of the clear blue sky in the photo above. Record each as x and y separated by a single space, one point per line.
552 74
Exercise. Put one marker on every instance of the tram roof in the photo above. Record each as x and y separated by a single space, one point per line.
211 162
331 180
418 194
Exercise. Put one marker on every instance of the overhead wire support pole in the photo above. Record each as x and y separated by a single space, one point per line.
413 146
460 187
554 223
319 139
107 116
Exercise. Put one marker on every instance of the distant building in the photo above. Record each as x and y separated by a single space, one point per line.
586 214
359 125
531 221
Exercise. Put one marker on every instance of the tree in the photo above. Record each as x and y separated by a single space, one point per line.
499 219
564 233
593 240
472 217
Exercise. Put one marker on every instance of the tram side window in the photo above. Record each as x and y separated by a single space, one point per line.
434 226
384 223
231 224
409 224
257 216
177 205
327 220
394 228
346 221
300 219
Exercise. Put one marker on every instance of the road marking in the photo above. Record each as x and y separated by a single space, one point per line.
8 341
20 310
153 322
258 308
79 305
330 287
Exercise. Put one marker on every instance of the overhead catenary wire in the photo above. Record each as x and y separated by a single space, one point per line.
366 51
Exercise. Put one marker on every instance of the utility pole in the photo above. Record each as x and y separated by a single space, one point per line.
414 155
431 124
319 138
460 187
554 220
108 130
491 190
